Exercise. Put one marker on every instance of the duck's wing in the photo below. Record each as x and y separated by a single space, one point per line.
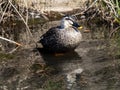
49 35
50 32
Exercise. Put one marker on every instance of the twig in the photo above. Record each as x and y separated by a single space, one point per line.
27 11
14 49
113 31
2 2
4 13
10 41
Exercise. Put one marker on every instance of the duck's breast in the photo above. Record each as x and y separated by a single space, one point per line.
70 37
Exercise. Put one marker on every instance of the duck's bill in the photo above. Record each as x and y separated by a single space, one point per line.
75 24
80 27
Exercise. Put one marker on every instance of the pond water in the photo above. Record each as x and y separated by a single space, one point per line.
92 66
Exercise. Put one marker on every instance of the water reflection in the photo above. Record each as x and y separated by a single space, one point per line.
58 61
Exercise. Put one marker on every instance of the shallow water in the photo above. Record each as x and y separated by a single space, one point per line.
92 66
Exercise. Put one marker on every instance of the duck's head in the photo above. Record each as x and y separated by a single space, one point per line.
69 21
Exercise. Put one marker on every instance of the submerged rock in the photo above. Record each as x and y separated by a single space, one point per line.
71 77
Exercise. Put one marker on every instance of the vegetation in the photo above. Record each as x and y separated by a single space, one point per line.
6 56
55 84
20 22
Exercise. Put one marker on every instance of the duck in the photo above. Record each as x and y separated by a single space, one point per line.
62 38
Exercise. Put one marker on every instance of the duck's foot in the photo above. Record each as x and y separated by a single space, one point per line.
62 53
59 54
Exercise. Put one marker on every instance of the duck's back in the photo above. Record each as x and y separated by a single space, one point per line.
61 40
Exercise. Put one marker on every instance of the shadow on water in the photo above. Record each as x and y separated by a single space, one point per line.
53 60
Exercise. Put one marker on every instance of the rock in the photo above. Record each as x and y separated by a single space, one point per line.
71 77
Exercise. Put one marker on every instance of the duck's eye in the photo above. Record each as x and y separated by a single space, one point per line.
67 18
70 19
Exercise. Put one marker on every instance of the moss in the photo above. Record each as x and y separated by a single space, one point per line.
35 67
57 84
4 56
43 69
53 85
36 21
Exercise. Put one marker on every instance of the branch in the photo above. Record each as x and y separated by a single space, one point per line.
4 13
10 41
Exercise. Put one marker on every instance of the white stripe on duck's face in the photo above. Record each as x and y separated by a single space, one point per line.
66 23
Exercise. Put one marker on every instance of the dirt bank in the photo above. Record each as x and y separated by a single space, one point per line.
52 5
